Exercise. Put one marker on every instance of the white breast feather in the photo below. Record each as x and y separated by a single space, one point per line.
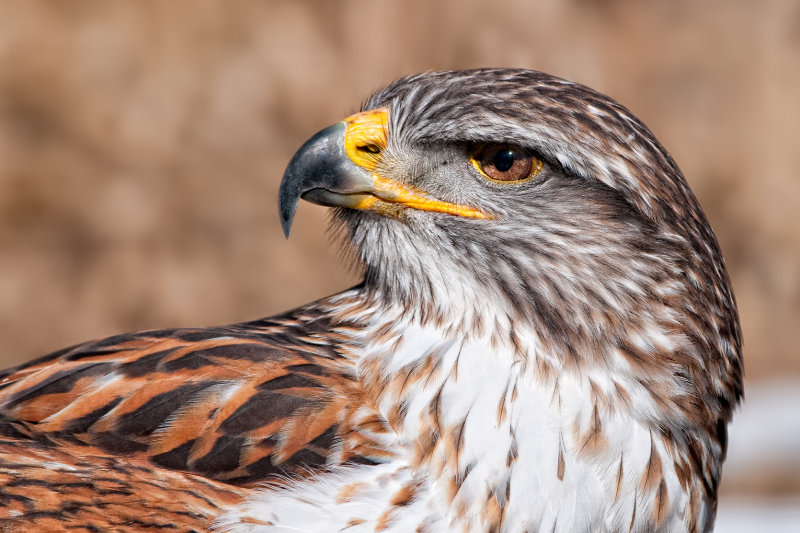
544 418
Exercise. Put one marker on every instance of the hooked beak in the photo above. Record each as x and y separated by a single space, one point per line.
337 167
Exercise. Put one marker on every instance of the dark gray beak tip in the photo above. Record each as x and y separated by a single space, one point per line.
286 224
287 205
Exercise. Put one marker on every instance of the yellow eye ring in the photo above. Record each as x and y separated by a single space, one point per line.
504 163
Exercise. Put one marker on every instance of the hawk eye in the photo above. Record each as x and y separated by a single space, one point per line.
506 163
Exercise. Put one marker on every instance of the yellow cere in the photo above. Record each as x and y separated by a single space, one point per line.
365 137
364 142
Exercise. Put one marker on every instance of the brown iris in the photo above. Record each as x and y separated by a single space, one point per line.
506 163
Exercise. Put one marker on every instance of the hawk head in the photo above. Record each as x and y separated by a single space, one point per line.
510 193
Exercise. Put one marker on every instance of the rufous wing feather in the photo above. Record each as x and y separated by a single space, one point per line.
238 404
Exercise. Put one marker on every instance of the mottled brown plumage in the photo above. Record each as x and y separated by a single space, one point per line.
68 487
237 403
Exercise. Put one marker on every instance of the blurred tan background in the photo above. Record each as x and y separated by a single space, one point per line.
142 143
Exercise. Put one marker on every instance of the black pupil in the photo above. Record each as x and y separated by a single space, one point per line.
504 160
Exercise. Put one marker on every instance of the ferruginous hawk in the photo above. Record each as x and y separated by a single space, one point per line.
545 340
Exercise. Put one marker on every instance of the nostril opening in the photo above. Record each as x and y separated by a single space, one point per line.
369 148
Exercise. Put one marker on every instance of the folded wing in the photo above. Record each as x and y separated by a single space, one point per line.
238 404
